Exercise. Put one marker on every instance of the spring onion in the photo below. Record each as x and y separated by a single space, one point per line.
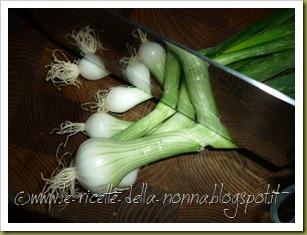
136 72
259 51
101 163
163 110
199 88
63 72
282 44
98 125
117 99
279 17
265 36
266 67
152 55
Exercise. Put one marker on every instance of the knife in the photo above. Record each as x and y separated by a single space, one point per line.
257 117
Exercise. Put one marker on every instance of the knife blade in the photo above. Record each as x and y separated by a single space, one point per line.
257 117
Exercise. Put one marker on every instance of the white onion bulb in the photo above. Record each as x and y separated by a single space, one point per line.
121 98
153 56
139 76
92 67
103 125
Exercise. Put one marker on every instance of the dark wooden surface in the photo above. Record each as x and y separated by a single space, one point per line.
36 107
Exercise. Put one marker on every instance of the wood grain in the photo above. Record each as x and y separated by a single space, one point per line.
36 107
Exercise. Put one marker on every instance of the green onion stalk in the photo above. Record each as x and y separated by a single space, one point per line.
283 83
176 122
263 68
279 17
199 89
264 36
163 110
281 44
239 64
184 102
257 50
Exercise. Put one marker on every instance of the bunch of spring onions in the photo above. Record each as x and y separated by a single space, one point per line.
263 51
115 159
179 123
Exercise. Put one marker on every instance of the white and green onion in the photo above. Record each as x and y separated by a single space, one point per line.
151 54
98 125
101 163
63 72
117 99
136 72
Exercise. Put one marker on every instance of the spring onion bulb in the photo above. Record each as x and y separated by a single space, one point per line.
101 163
138 75
135 72
98 125
129 179
151 54
117 99
92 67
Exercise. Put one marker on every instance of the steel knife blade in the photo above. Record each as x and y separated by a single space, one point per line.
257 117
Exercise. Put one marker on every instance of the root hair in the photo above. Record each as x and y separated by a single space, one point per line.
99 104
62 72
86 40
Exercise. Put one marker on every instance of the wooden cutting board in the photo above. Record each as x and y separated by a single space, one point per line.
36 107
